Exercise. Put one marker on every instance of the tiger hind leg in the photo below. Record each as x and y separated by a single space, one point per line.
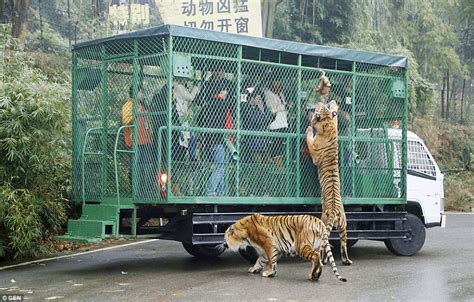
314 256
324 257
344 254
316 268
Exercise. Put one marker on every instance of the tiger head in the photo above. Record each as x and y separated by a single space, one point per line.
238 235
324 120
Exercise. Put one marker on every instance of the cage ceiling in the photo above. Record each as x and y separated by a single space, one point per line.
124 42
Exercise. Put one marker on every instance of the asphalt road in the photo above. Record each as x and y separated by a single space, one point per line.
162 271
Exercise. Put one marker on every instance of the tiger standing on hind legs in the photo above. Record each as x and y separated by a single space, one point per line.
323 149
288 235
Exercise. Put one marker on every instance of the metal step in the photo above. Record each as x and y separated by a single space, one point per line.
379 219
228 218
100 212
216 238
88 230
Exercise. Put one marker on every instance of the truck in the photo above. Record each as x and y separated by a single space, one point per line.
171 168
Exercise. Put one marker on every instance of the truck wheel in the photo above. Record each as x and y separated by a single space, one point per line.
203 250
249 253
411 245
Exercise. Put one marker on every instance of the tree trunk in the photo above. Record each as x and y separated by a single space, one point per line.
20 16
442 97
2 12
264 7
268 16
69 22
41 18
129 15
462 98
447 94
452 98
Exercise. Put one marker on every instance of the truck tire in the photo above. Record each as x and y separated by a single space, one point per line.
203 250
411 245
249 254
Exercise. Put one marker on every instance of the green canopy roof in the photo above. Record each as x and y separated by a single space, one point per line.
263 43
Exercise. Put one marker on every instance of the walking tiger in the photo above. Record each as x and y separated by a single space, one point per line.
289 235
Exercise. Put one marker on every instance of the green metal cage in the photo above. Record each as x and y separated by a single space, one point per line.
175 115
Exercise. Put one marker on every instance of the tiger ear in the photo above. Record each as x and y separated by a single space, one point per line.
318 107
333 105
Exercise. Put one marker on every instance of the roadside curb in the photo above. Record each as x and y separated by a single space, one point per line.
76 254
459 213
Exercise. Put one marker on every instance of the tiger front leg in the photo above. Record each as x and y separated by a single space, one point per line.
272 255
309 136
258 267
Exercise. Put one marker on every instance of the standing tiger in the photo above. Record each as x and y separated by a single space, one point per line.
324 152
289 235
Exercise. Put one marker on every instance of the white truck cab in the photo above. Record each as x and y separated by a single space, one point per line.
425 190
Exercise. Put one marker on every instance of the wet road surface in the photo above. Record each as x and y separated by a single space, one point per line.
162 271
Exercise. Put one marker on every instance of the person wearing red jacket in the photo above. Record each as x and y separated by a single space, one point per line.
143 150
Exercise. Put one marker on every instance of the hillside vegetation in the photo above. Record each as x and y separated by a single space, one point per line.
448 144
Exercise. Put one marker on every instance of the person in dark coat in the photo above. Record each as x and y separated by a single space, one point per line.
217 110
255 117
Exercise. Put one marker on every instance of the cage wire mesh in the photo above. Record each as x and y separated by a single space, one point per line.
162 117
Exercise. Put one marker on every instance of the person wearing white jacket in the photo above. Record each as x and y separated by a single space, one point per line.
183 98
276 103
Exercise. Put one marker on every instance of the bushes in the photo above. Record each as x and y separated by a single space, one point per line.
459 191
447 144
35 161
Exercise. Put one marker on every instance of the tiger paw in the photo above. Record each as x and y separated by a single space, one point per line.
269 274
312 277
255 269
346 261
325 259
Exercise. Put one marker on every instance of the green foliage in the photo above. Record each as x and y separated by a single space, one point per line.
447 143
35 142
321 21
459 192
56 68
415 25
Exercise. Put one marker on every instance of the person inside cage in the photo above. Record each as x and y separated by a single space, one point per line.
255 117
309 172
179 139
342 91
182 101
143 151
276 103
216 113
